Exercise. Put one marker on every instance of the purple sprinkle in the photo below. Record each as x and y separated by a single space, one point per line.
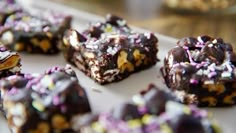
56 100
193 81
211 74
12 91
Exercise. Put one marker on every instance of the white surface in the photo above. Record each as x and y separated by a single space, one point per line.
115 93
109 95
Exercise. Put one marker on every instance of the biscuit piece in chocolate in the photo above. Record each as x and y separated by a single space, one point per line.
110 51
138 117
34 34
202 70
9 62
43 103
7 9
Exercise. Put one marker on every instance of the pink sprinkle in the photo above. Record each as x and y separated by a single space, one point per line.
56 100
193 81
211 74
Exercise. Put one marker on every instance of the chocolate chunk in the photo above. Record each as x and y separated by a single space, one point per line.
201 71
126 112
137 117
107 52
186 124
51 100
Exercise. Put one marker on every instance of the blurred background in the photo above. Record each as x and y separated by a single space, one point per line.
175 18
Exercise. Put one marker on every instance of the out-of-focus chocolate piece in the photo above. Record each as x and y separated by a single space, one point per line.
108 56
7 9
201 70
34 34
43 103
174 118
9 62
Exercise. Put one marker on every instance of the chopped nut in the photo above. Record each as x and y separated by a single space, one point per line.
49 34
59 122
19 47
7 37
229 99
10 62
123 63
38 105
35 41
211 100
138 57
45 45
29 49
219 88
89 55
42 127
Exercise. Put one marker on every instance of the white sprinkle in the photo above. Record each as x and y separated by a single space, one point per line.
210 45
121 22
148 35
214 41
209 82
226 75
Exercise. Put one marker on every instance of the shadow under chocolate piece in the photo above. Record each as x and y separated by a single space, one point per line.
43 103
110 51
34 34
153 111
202 71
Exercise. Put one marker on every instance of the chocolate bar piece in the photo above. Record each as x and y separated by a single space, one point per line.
9 62
110 56
202 70
24 32
7 9
43 103
153 111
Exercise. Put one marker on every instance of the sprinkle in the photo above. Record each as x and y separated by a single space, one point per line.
166 129
38 105
148 35
193 81
134 123
121 22
211 74
210 45
56 100
98 127
138 100
146 119
226 75
214 41
208 82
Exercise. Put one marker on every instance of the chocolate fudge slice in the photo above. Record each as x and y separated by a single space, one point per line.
43 103
153 111
7 9
9 62
202 70
110 56
34 34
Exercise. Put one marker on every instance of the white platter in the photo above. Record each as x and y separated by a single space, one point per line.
102 98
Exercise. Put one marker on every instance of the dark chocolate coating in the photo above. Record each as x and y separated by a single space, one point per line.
141 117
51 100
110 51
202 69
34 34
